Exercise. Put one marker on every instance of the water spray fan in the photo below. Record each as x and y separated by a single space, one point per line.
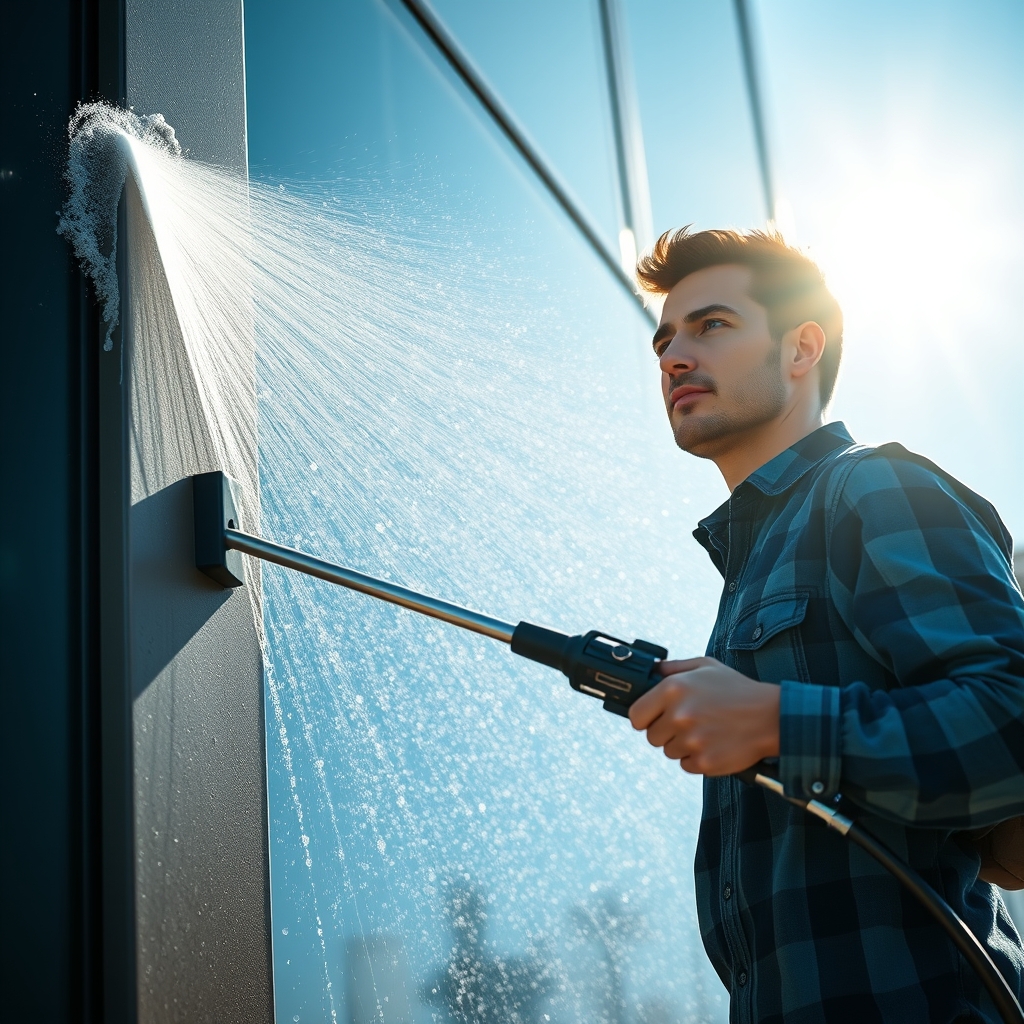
596 664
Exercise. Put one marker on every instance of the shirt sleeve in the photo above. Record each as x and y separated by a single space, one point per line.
920 575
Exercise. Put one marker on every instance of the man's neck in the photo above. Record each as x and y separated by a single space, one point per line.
757 447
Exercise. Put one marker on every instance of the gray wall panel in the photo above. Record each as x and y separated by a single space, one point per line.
184 60
202 893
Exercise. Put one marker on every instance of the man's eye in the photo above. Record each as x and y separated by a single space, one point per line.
711 324
660 346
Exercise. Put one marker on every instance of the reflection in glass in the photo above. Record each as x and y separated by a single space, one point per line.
546 61
698 132
455 834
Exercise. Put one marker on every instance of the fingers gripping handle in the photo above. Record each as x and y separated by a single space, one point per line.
597 664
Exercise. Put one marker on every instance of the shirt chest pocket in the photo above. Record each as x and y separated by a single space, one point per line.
765 641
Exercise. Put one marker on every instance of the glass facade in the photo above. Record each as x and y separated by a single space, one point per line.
455 834
698 130
546 61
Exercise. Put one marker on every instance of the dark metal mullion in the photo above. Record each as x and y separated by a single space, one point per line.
627 124
117 821
750 70
618 117
89 832
437 34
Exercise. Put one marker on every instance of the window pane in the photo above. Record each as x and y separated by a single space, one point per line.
698 131
449 821
546 61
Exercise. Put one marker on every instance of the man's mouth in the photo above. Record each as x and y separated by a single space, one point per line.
686 394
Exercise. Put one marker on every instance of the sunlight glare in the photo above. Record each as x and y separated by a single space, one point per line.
908 252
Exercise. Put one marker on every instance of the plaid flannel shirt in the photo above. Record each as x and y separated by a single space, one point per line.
879 593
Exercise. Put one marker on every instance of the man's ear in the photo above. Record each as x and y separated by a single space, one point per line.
803 347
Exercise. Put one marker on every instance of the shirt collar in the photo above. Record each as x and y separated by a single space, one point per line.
774 477
788 467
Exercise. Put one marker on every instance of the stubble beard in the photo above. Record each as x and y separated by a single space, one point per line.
756 400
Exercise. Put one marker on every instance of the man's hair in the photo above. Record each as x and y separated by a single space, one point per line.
787 283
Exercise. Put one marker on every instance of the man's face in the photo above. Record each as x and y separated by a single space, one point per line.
720 369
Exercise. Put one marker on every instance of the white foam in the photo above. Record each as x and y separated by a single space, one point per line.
99 152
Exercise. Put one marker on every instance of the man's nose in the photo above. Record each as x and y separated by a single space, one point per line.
678 357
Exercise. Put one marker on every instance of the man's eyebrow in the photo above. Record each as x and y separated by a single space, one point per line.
663 332
715 307
667 330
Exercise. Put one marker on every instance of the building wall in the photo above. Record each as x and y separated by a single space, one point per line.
201 870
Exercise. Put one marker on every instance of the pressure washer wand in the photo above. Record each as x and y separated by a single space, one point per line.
596 664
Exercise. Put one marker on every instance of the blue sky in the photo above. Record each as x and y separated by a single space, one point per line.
898 143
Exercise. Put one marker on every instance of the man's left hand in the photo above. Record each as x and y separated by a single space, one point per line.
709 717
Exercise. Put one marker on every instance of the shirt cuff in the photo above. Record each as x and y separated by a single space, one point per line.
810 759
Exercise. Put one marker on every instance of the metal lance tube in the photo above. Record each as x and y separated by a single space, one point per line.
311 566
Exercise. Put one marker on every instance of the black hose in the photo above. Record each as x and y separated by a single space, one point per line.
964 939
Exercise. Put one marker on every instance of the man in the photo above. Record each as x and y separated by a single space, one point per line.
870 636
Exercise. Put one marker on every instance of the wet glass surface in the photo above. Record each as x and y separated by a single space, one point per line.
455 834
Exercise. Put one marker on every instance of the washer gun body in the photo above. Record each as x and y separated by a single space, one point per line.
596 664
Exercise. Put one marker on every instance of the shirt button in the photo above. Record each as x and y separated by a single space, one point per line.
817 788
732 587
741 978
756 635
727 891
